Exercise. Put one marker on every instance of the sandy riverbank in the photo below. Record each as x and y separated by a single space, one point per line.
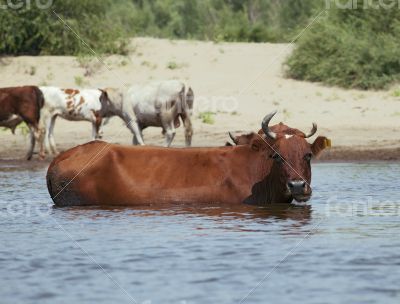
241 82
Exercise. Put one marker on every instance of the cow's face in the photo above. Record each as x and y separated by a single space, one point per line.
106 105
289 154
292 166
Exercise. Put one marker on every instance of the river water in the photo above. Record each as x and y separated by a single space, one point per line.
341 247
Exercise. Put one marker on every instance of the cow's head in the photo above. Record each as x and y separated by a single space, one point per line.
189 101
107 108
289 157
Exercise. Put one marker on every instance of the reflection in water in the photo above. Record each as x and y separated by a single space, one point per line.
207 254
299 212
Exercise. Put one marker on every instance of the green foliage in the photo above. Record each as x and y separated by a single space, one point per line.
172 65
33 31
222 20
24 129
80 81
105 24
207 117
353 48
32 70
396 93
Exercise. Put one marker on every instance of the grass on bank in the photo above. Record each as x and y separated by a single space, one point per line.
353 48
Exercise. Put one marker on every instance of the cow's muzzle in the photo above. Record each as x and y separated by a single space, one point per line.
299 190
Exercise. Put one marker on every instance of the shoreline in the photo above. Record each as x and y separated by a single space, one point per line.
235 86
333 155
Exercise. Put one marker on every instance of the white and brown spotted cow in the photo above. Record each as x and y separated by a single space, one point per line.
74 105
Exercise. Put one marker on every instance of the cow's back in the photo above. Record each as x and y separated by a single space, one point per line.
104 174
25 101
67 168
72 104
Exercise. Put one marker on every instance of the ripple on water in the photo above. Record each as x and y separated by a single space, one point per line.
342 247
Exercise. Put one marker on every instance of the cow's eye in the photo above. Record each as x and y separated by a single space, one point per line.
276 157
308 156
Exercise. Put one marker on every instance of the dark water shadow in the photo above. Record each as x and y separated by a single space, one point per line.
22 165
301 214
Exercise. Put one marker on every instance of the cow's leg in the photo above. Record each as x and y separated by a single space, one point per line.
188 131
94 131
133 126
40 133
51 143
103 123
45 123
169 137
169 133
31 143
135 139
96 120
35 134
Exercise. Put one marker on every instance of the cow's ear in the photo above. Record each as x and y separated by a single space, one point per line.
104 93
258 144
243 139
320 144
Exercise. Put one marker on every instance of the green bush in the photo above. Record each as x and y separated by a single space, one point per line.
105 24
217 20
357 48
207 117
250 20
30 30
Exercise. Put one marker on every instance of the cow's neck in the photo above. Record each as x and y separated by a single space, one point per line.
267 191
266 186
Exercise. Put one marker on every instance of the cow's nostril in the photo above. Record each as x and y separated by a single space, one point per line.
296 185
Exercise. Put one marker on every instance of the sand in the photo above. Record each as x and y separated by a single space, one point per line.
240 82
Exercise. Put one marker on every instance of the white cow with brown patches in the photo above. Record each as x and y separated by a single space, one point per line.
74 105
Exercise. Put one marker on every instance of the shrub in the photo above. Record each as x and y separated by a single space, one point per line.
357 48
207 117
80 81
33 31
217 20
105 24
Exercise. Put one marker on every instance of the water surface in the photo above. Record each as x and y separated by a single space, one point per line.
341 247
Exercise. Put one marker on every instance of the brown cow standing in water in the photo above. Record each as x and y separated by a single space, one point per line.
23 104
270 168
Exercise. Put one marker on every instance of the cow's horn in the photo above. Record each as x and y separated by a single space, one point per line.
265 125
232 137
313 130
